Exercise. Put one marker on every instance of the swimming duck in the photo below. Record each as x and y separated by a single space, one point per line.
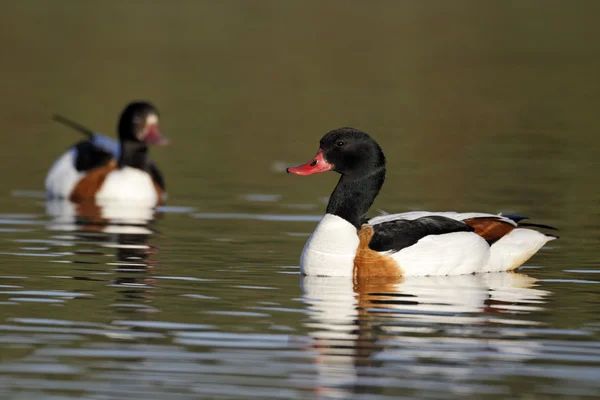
419 243
103 170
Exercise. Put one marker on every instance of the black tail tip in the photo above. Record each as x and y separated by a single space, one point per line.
541 226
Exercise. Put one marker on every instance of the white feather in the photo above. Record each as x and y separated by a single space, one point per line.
448 254
63 176
128 184
331 248
514 249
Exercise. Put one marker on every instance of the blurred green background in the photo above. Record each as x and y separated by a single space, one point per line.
489 105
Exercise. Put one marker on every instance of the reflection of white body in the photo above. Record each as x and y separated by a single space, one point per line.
121 217
334 298
408 316
331 249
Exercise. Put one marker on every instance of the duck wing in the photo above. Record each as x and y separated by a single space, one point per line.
89 156
394 232
96 151
397 234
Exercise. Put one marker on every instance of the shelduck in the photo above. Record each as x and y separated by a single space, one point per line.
419 243
102 170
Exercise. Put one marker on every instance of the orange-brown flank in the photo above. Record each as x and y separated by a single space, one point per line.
369 263
159 193
87 187
490 228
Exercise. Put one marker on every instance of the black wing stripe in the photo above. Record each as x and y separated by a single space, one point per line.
519 218
538 226
399 234
90 156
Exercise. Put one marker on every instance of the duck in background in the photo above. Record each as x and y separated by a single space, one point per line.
420 243
101 170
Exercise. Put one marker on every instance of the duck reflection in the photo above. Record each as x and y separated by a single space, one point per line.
112 230
96 217
412 323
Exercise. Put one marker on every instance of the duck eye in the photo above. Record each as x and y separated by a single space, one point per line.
340 143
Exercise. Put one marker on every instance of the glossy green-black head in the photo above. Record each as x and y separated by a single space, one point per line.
348 151
139 122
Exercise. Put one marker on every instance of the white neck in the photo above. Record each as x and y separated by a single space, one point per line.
331 248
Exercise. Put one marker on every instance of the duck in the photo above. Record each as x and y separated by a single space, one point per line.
416 243
102 170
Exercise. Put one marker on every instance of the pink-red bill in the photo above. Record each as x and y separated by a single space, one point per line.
314 166
154 137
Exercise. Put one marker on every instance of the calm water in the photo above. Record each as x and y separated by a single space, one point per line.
478 107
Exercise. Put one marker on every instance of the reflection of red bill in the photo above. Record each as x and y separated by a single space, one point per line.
314 166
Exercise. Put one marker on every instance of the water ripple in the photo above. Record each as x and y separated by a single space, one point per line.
259 217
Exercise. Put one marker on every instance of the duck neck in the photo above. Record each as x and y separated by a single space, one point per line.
134 154
353 196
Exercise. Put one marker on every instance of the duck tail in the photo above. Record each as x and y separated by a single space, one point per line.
519 218
73 125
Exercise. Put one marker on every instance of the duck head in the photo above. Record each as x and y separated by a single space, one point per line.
139 122
347 151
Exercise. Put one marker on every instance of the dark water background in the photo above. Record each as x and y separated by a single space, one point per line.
479 106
